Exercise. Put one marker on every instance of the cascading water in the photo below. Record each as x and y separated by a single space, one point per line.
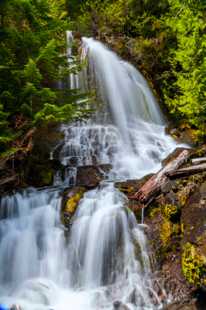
129 131
103 262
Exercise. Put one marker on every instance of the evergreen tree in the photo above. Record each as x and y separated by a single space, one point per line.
32 61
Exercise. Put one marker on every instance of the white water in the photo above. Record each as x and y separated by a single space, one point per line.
104 260
128 131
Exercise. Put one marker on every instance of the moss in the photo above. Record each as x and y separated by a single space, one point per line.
154 211
169 211
72 202
193 265
70 205
46 177
167 227
166 231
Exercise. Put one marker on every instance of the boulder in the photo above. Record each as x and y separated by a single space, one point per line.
90 176
118 305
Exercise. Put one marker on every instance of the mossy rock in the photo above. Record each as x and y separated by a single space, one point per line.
193 223
90 176
70 202
193 265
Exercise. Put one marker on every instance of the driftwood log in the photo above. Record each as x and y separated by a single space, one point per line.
186 171
197 161
152 187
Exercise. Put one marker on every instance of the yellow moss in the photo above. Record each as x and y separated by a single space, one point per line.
193 265
166 231
176 229
72 202
154 211
183 196
169 210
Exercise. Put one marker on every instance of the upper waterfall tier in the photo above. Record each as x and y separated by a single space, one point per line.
121 86
128 129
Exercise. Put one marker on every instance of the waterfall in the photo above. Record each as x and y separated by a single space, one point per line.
73 77
128 131
103 262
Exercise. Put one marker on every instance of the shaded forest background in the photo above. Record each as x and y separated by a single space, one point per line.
165 39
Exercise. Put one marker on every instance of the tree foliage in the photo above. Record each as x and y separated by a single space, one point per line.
32 62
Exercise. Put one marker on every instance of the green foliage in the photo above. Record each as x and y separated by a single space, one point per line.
32 61
187 60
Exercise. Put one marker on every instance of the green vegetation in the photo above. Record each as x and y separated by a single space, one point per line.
166 39
193 265
32 61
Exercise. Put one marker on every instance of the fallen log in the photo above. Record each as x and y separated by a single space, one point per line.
186 171
197 161
153 186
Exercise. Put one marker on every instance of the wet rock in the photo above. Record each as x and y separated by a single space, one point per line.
70 201
8 181
183 134
191 305
90 176
39 169
118 305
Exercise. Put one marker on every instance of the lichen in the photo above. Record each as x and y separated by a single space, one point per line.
193 265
